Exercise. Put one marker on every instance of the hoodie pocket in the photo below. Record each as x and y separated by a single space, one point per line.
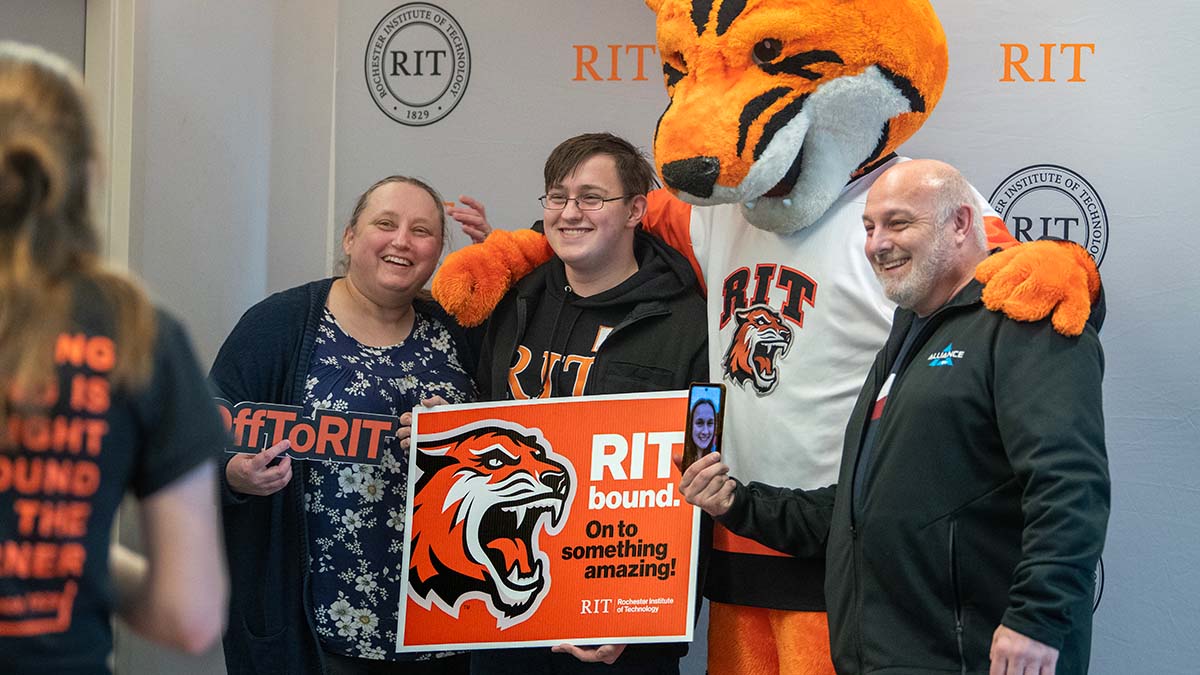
632 377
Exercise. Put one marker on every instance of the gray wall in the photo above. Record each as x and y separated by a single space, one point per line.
201 203
57 26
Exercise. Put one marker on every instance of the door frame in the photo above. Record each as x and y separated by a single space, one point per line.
109 62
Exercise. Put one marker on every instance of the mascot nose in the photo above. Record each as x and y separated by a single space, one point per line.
558 482
694 175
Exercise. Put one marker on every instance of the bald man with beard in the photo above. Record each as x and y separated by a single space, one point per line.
973 494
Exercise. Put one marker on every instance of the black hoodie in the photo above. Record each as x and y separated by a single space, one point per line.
645 334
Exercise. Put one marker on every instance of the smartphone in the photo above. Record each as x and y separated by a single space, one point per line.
706 412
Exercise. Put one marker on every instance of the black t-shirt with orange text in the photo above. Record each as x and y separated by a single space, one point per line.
78 448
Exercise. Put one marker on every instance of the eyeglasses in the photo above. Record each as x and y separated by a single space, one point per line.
585 203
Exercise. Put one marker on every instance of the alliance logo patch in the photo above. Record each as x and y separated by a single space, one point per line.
945 357
1051 201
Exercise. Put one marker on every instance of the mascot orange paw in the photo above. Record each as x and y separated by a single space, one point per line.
1039 279
473 280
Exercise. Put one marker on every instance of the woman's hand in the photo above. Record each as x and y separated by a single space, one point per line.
405 431
472 217
250 475
601 654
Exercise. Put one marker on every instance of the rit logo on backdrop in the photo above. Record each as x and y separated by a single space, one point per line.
1023 62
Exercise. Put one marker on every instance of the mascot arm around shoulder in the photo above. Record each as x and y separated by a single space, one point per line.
774 106
1027 282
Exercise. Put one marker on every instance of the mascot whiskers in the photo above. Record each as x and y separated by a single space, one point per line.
782 114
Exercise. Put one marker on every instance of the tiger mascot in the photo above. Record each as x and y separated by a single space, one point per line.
782 114
485 493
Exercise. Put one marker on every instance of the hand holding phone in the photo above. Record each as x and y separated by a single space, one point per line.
706 412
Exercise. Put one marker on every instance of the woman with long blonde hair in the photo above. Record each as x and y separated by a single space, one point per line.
99 395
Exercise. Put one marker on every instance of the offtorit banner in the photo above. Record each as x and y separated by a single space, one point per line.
333 435
541 522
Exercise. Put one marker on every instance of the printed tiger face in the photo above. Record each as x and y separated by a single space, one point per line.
485 494
760 340
775 104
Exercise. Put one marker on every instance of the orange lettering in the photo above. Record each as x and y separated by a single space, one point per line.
583 366
89 393
86 479
1047 50
302 444
1078 47
101 354
67 434
614 51
524 356
27 476
71 557
641 59
327 436
1010 63
549 361
68 519
97 352
581 64
52 519
69 349
41 560
376 428
281 419
96 430
27 510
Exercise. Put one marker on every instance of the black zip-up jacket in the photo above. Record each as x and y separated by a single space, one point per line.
985 502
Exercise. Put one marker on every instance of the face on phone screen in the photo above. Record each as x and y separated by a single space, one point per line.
705 404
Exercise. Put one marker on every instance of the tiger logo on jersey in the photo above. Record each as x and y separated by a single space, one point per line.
775 104
485 493
760 339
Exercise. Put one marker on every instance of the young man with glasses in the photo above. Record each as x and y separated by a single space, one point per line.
615 310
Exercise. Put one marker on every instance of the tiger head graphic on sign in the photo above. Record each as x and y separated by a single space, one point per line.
775 104
484 495
760 339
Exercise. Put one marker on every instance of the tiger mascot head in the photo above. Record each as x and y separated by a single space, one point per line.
760 339
484 494
775 104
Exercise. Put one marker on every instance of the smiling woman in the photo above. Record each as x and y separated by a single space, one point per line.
371 341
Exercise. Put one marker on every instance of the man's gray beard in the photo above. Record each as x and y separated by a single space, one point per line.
910 291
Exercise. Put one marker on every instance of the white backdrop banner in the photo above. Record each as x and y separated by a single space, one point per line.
1075 118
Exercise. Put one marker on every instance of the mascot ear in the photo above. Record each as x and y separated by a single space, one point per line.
654 5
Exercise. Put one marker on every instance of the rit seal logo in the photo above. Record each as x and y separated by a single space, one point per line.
762 335
417 64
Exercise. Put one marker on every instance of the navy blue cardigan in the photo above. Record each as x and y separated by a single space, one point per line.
265 359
